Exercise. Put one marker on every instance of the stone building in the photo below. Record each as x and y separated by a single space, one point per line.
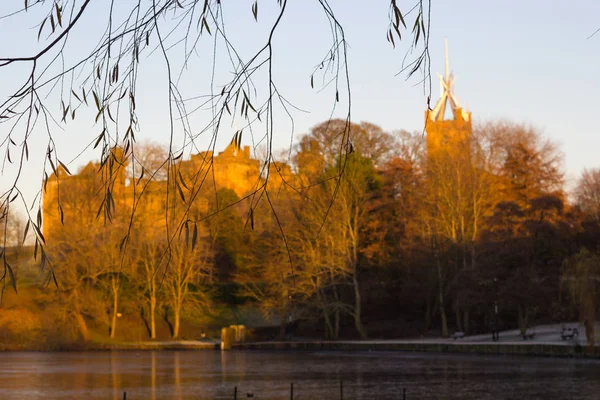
82 198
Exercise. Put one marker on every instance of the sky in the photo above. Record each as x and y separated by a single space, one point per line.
526 61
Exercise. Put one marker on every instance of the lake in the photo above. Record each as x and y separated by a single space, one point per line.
267 375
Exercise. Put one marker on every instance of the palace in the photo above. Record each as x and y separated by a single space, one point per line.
79 198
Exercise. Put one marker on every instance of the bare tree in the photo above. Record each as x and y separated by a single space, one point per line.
58 84
587 193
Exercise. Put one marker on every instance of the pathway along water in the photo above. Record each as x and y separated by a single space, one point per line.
267 375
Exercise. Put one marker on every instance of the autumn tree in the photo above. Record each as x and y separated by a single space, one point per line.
581 274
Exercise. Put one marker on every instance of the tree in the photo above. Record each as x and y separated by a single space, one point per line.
186 278
587 193
581 274
98 79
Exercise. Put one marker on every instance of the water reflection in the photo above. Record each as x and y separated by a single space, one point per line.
366 375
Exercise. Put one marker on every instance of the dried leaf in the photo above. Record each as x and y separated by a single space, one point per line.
12 276
41 27
96 99
255 10
195 236
65 167
58 15
26 230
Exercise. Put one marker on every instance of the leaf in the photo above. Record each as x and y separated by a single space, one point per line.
255 10
41 27
180 191
26 230
122 243
62 214
75 94
205 24
26 5
337 96
141 175
58 16
54 279
132 98
99 114
100 137
312 81
187 233
65 167
52 23
96 99
12 275
195 236
181 180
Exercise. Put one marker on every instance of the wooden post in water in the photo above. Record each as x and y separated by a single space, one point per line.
404 394
341 390
124 395
292 391
235 393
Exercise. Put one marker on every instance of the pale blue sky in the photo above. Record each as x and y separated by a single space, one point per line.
527 61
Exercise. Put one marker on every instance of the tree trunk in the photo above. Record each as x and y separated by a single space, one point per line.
428 315
166 319
458 319
282 327
177 316
152 317
466 323
323 304
115 295
444 320
590 322
357 305
83 328
523 319
336 329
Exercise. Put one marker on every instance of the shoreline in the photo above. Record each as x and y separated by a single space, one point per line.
491 348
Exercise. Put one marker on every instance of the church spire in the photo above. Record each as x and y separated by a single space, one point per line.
446 95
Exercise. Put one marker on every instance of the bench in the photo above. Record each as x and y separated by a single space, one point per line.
458 335
569 333
529 334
